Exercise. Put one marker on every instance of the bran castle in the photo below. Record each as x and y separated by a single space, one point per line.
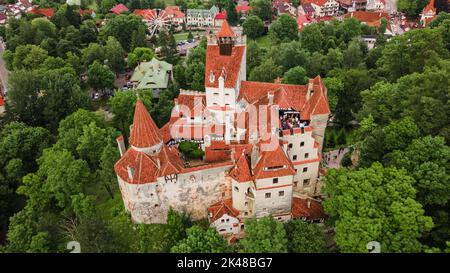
262 147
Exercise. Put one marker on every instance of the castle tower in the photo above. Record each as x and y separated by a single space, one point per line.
145 136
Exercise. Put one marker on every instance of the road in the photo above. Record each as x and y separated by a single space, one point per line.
3 71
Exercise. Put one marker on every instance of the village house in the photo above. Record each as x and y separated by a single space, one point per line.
372 19
153 75
281 7
118 9
262 146
201 18
2 105
375 5
355 5
243 10
321 8
220 18
428 14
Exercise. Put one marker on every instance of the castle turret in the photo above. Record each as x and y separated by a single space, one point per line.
145 136
225 39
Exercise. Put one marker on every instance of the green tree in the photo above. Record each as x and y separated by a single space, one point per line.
311 38
114 55
353 55
262 9
268 71
264 235
199 240
334 87
100 77
232 15
254 56
296 75
375 204
411 7
123 27
427 161
253 27
139 54
92 53
284 29
305 237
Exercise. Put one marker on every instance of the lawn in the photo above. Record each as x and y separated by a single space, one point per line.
183 35
264 41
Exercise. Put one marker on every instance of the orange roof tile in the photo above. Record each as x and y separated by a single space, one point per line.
225 29
2 101
144 131
273 164
229 65
118 9
241 171
220 208
300 209
372 18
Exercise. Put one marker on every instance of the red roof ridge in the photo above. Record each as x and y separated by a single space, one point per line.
241 171
144 131
220 208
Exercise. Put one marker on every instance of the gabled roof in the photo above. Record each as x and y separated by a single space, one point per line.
241 171
372 18
146 168
152 75
144 132
220 208
243 8
273 164
146 14
48 12
221 15
118 9
218 64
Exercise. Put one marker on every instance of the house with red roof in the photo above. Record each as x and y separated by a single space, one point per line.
243 10
118 9
2 105
428 14
220 18
47 12
323 7
262 144
372 18
302 21
281 7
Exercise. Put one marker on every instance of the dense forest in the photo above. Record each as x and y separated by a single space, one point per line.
390 105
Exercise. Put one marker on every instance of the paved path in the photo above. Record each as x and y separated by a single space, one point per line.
333 158
3 71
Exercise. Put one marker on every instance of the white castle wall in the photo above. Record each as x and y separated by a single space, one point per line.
192 193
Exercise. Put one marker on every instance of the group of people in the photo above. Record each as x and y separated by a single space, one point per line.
290 121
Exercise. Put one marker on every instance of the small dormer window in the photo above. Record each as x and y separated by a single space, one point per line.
211 77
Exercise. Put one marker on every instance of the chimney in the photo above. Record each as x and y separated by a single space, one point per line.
121 144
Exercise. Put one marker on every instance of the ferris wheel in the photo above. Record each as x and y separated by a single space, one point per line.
157 21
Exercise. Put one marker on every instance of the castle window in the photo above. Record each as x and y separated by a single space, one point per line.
294 157
302 144
306 155
268 195
305 169
281 193
306 182
171 178
236 189
275 180
295 183
290 146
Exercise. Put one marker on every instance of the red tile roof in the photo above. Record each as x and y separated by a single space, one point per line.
144 131
48 12
242 8
118 9
220 208
147 14
300 209
145 167
241 171
316 2
371 18
229 65
221 16
225 29
2 101
276 161
430 7
173 11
